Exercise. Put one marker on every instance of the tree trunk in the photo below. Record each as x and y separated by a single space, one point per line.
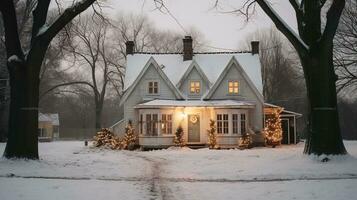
23 120
324 135
98 115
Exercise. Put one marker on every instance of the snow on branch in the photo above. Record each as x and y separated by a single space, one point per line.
295 39
333 17
13 58
66 17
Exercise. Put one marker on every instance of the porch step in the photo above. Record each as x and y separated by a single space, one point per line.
197 146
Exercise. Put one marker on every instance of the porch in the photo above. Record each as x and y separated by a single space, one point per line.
158 120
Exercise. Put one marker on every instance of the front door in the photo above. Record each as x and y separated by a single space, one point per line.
286 132
193 128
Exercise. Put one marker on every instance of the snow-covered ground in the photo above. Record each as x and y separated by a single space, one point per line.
68 170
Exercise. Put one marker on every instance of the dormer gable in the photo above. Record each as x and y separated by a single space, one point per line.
232 72
194 82
152 65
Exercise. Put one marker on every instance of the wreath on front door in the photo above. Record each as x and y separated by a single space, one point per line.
194 119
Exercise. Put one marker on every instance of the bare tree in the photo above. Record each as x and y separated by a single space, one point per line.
147 38
283 82
277 60
314 45
23 11
24 69
345 51
93 51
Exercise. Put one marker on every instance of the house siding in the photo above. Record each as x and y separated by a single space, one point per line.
140 95
246 93
194 76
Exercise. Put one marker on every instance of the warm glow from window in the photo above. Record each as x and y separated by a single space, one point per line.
153 87
233 87
195 87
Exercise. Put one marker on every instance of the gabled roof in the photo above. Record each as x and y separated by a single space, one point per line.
212 65
49 117
193 65
284 112
233 62
150 62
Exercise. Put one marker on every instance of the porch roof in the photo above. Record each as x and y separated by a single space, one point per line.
158 103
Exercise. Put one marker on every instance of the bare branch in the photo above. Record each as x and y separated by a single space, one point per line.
295 40
66 84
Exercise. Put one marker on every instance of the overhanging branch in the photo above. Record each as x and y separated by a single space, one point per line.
66 17
295 40
332 20
67 84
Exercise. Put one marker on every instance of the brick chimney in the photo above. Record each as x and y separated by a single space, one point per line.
129 47
187 48
255 47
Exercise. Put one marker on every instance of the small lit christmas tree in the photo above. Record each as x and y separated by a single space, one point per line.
130 137
212 137
245 141
273 131
179 141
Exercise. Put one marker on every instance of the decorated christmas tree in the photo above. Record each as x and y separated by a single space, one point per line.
245 141
212 137
273 131
106 139
179 141
130 137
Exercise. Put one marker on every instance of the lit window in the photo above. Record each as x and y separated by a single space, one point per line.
195 87
166 124
233 87
153 87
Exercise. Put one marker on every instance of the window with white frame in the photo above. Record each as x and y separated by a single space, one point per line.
148 124
166 124
235 123
153 87
225 124
151 124
222 124
243 129
233 87
155 124
195 87
42 132
141 123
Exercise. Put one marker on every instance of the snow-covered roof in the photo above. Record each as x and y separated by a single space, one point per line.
196 103
284 112
211 64
49 117
43 118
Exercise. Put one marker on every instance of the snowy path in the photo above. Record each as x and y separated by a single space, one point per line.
158 184
68 170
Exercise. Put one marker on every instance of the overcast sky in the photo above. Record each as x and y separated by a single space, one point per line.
220 29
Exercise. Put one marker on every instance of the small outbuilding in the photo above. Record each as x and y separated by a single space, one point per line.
48 127
288 123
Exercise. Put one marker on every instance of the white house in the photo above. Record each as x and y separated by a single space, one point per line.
164 91
48 126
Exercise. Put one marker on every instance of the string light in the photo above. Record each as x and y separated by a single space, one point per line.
273 131
212 136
